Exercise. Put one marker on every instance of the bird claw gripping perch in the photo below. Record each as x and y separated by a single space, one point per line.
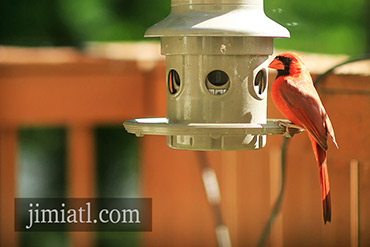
289 129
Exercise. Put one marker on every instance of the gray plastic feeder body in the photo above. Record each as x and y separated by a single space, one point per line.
216 52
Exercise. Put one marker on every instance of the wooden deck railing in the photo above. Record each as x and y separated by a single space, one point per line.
80 92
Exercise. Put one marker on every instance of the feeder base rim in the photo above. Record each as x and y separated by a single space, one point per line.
162 126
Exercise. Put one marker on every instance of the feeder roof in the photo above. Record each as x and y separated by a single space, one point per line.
217 20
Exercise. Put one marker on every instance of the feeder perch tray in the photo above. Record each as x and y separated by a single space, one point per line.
161 126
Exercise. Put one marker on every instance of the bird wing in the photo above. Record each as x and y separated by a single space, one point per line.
306 106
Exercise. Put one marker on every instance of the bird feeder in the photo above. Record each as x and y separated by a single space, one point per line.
216 52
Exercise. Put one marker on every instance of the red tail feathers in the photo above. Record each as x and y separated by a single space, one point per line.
320 155
325 190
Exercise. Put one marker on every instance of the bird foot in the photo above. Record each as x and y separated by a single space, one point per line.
289 129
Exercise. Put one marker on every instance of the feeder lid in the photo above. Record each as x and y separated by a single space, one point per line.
217 18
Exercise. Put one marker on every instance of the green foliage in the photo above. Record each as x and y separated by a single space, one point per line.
116 162
70 22
325 26
43 239
42 159
117 176
322 26
41 174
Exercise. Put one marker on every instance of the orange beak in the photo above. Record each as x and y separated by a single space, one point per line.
276 64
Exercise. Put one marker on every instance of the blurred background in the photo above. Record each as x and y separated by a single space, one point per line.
38 36
318 26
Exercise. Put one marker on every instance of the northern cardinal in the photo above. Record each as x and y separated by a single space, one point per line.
296 98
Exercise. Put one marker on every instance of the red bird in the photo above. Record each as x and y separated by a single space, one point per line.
296 98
